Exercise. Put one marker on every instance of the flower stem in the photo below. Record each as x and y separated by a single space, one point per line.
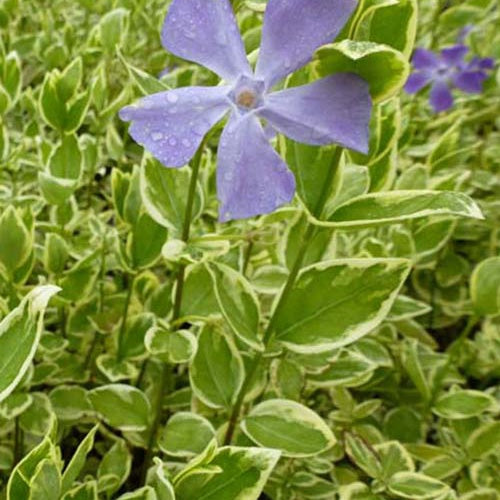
287 289
165 375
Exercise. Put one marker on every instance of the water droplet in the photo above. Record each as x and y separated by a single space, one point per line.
172 141
157 136
198 129
186 143
172 98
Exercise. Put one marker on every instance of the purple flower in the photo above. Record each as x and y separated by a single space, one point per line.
252 179
445 71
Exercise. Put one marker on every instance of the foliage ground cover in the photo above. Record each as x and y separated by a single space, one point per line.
306 307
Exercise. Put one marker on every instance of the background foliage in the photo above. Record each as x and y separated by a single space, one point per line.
381 376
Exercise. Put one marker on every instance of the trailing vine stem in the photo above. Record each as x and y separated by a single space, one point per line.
287 289
180 278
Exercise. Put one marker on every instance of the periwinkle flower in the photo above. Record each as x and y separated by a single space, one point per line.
447 70
252 179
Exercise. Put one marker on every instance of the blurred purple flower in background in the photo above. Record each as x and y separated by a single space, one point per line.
447 70
252 179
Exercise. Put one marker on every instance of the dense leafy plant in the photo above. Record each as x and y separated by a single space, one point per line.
341 342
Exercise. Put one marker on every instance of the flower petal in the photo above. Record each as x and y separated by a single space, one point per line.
252 179
441 98
454 56
486 63
292 32
205 31
417 81
470 81
425 59
171 125
335 109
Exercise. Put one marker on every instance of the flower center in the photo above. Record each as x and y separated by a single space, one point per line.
247 94
246 99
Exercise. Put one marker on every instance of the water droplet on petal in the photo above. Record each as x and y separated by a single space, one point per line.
172 98
172 141
157 136
186 143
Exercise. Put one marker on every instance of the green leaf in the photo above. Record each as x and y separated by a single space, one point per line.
363 456
238 304
146 83
15 405
55 253
16 240
65 161
416 486
18 487
288 378
77 462
145 242
463 404
186 434
20 333
336 303
70 402
241 474
52 109
288 426
86 491
217 371
172 347
121 406
39 417
76 113
385 69
79 281
145 493
394 458
46 480
481 494
349 370
160 483
397 206
199 296
484 440
394 24
406 308
11 76
113 28
70 79
164 193
116 370
413 366
56 191
311 166
485 287
114 468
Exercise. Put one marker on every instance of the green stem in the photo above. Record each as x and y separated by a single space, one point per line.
102 272
287 289
129 280
247 257
165 376
18 443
